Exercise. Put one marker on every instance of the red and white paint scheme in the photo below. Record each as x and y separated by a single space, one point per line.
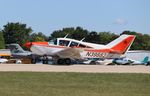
65 49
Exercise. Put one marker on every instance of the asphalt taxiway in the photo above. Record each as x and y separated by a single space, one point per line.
74 68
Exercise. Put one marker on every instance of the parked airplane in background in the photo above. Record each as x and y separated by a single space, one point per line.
126 61
3 60
4 53
144 61
17 51
98 61
122 61
63 50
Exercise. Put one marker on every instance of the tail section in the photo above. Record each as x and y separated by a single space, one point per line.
122 44
145 60
15 48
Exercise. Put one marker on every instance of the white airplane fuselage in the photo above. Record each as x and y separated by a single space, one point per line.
84 52
70 48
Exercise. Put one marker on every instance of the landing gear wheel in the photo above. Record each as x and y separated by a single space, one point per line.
33 60
67 61
148 63
45 59
60 61
93 63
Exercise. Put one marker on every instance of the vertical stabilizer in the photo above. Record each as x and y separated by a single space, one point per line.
122 44
145 60
15 48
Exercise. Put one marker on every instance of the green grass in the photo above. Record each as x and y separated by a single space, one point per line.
73 84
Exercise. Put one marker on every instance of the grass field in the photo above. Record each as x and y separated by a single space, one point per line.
73 84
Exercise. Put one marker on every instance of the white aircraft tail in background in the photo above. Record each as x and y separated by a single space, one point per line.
143 62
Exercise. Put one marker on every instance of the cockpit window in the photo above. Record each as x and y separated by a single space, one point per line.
75 44
63 42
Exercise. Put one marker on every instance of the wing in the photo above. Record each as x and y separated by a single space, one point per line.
70 53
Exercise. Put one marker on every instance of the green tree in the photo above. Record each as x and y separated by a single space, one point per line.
79 33
106 37
145 39
2 43
63 32
141 41
38 37
93 37
75 33
16 33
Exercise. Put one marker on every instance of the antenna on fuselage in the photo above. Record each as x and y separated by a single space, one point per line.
66 36
82 39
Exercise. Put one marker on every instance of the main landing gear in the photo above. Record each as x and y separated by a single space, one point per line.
64 61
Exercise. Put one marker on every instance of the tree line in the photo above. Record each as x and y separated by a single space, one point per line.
20 33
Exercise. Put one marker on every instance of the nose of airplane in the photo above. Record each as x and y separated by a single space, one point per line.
28 44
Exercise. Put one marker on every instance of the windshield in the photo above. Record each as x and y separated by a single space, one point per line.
54 42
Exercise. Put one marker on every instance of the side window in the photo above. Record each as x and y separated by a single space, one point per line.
66 43
73 44
63 42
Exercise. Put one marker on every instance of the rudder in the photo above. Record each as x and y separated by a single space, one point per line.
122 44
145 60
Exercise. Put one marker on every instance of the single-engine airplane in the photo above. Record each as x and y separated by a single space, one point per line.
63 50
127 61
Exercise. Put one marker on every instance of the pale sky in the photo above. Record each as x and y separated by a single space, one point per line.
94 15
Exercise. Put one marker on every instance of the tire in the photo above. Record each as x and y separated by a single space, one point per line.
148 63
33 61
93 63
67 61
60 61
